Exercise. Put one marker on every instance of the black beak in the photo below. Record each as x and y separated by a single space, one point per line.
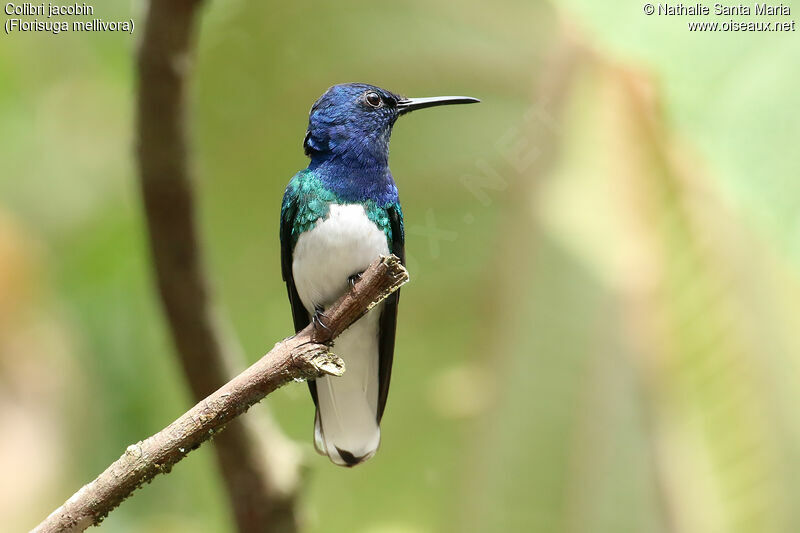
407 105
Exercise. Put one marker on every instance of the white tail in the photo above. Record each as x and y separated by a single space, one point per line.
346 427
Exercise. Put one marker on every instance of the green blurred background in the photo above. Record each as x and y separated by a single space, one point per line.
601 332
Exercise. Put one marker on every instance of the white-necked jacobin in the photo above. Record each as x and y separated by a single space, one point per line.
338 215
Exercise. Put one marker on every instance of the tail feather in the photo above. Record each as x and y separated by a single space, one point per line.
345 426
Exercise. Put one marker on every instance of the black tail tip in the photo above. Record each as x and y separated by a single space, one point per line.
350 459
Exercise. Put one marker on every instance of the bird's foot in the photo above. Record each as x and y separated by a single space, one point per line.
354 278
320 318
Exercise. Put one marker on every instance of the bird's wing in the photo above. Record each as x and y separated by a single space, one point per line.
388 322
299 313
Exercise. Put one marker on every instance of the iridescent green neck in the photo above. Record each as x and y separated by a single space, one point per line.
311 199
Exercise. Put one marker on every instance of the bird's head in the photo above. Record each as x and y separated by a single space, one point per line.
352 122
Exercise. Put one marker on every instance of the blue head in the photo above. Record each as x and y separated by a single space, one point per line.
348 134
352 123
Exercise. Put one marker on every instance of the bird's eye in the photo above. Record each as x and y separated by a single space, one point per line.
372 98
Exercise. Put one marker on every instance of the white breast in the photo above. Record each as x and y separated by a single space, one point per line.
339 246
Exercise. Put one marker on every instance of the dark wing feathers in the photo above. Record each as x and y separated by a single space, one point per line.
388 322
299 313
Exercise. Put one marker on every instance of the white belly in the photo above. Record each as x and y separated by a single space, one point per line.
339 246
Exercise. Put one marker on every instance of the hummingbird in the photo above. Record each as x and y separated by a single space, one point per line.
337 216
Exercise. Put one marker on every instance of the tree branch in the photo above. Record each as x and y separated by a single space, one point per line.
303 356
259 465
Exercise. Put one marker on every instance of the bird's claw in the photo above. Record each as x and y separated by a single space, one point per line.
354 278
319 319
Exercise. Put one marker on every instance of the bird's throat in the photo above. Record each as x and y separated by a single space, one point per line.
356 180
